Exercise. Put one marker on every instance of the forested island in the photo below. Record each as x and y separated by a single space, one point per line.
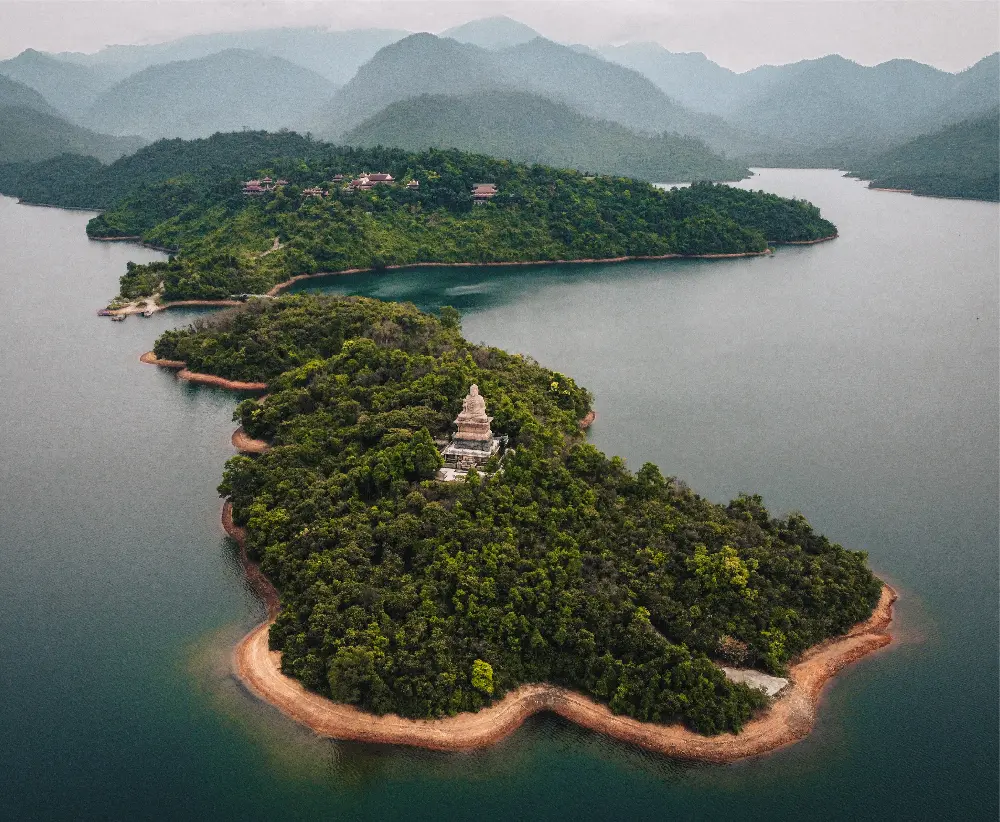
187 196
401 593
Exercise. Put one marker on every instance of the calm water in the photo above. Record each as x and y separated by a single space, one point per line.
855 381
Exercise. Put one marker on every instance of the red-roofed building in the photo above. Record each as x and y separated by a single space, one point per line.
483 192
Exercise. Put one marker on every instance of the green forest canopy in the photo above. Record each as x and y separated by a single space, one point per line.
962 160
404 594
187 196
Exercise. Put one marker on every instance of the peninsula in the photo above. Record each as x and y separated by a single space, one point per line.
548 577
245 214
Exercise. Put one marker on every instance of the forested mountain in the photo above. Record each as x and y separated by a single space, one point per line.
68 87
336 55
974 92
27 136
13 93
819 111
418 64
958 161
227 91
425 64
690 78
533 129
492 33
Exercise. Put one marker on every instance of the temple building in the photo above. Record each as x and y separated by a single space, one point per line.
483 193
473 443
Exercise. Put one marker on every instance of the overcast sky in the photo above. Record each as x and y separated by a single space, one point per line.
739 34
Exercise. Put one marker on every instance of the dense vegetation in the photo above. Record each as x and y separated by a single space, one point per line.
187 196
533 129
401 593
204 167
962 160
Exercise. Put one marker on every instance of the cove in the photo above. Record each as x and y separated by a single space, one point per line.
851 380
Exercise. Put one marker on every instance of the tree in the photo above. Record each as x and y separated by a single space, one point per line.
482 677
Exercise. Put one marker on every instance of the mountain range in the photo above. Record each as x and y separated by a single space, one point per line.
481 86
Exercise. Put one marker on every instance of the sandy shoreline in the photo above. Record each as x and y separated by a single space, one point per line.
790 719
204 379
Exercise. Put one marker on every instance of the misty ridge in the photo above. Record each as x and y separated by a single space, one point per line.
496 87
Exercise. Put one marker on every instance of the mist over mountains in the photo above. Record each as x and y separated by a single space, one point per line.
495 86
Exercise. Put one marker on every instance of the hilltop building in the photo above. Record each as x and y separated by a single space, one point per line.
254 188
483 192
366 182
473 443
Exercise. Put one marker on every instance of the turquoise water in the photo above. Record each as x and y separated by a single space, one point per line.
855 381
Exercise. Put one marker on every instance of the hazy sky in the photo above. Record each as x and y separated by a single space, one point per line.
739 34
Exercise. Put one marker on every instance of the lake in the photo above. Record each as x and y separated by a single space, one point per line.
855 380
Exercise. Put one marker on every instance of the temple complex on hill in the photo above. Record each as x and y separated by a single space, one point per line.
473 443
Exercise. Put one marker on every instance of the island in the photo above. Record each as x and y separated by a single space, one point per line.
409 603
247 214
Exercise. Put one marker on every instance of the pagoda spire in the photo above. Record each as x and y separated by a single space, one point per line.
473 424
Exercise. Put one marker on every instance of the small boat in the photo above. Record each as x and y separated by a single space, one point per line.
118 318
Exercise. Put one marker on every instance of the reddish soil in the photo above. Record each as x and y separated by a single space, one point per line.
205 379
248 445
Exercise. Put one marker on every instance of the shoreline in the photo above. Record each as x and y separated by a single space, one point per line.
149 358
246 444
811 242
275 290
790 718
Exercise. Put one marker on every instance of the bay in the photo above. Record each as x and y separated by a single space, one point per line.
854 380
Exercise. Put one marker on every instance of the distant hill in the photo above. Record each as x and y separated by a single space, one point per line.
690 78
13 93
336 55
492 33
28 135
425 64
530 128
973 92
227 91
962 160
68 87
815 111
